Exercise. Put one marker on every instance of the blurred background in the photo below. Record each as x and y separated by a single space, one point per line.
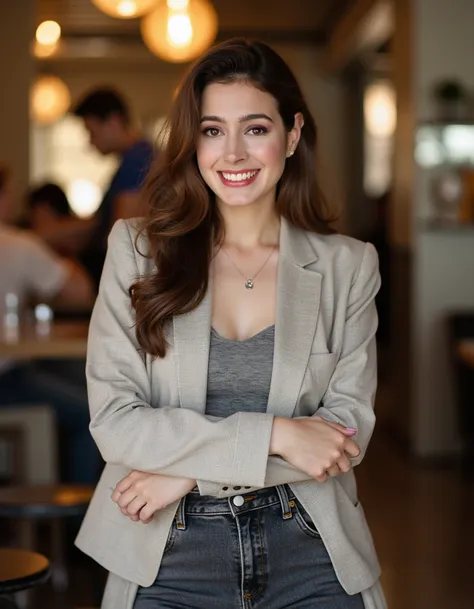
86 86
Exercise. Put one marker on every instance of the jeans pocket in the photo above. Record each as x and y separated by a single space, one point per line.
304 520
171 537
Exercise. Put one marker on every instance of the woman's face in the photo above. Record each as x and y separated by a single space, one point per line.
243 144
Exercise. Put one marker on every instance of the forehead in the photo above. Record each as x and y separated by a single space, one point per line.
236 99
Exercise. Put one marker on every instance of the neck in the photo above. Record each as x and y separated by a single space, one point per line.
127 140
250 226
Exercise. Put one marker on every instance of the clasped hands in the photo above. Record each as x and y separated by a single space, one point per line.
318 447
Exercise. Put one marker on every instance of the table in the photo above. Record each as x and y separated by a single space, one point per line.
466 352
21 569
66 340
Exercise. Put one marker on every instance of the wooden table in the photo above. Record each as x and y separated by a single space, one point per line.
66 339
466 352
21 569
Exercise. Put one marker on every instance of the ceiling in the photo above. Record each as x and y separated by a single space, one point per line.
273 20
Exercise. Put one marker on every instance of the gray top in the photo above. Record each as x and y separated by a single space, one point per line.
239 373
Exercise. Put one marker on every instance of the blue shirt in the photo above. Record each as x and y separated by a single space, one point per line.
129 177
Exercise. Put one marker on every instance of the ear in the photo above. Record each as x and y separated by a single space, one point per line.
294 135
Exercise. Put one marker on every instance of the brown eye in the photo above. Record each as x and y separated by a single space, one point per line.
211 131
258 130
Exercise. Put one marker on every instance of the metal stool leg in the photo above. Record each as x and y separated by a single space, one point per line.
59 573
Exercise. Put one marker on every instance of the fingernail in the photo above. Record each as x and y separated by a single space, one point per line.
351 430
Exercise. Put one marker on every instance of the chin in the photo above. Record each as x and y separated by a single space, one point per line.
238 202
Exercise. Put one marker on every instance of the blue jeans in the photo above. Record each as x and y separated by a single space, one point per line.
80 458
263 554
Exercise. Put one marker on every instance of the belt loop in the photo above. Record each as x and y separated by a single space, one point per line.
181 515
285 503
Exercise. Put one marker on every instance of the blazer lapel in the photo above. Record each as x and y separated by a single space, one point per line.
298 300
192 335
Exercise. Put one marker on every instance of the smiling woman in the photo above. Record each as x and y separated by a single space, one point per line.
232 367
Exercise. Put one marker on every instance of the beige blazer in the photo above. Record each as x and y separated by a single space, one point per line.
150 414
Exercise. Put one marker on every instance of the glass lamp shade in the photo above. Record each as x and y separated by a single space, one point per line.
50 99
380 110
125 9
178 36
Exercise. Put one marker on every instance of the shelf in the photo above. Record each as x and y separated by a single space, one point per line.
442 124
439 226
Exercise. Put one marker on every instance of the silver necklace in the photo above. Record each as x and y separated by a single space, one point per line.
249 281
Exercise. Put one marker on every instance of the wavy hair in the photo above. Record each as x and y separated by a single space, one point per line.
182 224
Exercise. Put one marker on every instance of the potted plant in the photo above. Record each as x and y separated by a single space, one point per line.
452 101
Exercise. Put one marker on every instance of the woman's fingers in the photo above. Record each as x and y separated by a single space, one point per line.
334 471
146 513
344 464
351 448
124 484
126 498
134 507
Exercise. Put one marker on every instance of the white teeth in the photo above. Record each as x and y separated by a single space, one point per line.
239 177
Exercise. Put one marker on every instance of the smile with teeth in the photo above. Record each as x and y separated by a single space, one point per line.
238 177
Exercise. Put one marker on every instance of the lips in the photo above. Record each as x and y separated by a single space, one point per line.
238 178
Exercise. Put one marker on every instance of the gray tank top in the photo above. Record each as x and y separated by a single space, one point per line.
239 373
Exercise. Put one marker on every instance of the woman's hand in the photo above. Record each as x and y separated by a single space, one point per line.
139 495
313 445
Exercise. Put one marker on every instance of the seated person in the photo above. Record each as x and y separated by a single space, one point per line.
49 215
29 267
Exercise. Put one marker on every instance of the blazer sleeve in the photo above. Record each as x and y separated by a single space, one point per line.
349 398
127 430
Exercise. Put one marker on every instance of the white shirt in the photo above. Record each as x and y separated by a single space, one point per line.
27 267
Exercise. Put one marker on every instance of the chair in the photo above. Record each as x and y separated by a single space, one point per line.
461 327
20 571
12 443
30 504
28 432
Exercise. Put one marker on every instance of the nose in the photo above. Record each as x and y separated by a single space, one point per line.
235 149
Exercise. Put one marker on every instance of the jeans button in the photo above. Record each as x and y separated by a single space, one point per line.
238 500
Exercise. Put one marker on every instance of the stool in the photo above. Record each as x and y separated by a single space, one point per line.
20 570
30 504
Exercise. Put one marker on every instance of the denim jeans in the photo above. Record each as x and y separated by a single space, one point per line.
258 550
25 384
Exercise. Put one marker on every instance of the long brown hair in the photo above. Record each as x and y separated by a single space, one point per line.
182 224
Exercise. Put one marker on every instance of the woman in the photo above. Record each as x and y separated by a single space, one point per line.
231 359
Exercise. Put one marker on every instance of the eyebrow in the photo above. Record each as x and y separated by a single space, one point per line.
242 119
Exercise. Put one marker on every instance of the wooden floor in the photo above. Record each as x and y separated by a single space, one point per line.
422 521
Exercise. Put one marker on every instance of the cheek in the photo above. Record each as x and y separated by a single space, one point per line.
207 154
271 153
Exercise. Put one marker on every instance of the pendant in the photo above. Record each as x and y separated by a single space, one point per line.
249 284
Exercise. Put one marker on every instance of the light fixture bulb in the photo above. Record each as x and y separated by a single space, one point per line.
48 32
125 9
180 30
177 5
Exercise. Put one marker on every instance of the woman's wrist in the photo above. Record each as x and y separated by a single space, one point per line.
279 437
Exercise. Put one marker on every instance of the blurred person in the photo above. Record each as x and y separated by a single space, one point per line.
107 119
49 215
232 364
30 268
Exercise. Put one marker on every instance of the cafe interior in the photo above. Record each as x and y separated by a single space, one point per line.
391 86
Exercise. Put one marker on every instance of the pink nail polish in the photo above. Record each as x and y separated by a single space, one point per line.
351 430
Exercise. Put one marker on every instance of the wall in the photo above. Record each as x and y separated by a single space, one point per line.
16 28
443 263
